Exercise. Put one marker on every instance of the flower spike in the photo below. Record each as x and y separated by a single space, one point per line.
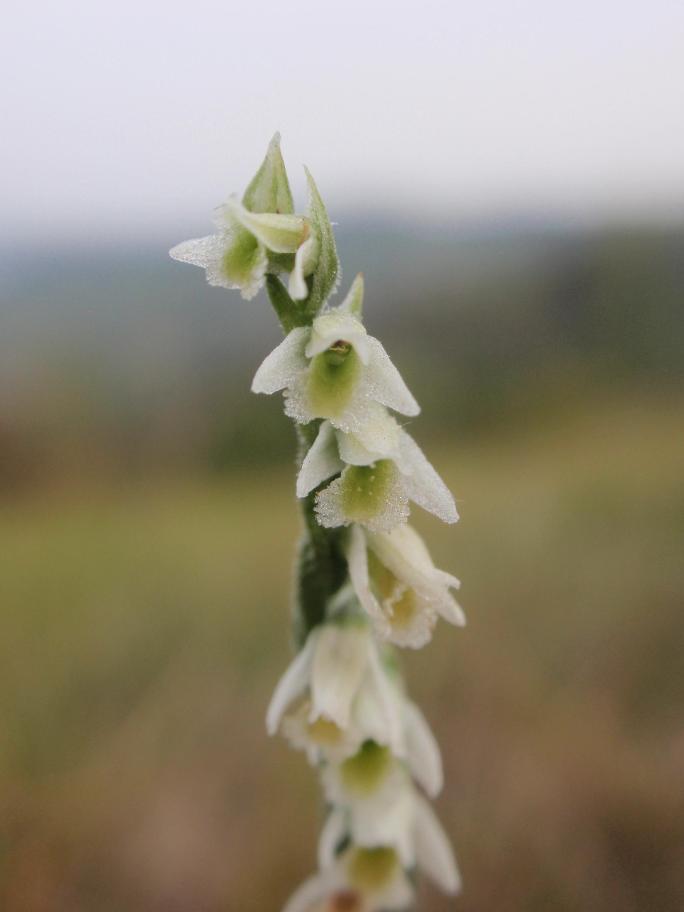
366 582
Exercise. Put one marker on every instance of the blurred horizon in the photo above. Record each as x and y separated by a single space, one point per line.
510 180
150 114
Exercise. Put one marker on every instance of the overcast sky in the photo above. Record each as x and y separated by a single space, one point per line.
120 117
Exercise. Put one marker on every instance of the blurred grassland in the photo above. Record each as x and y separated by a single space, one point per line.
143 630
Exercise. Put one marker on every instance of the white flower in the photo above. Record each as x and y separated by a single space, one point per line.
399 586
343 692
374 775
237 256
357 880
335 370
374 878
407 824
382 469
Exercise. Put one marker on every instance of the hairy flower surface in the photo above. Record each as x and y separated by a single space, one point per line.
342 692
335 370
237 255
399 586
381 470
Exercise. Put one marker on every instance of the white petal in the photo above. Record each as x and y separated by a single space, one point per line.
391 825
378 438
338 667
424 486
370 715
304 263
297 404
334 326
320 462
207 253
331 512
401 548
333 832
412 632
422 751
311 893
277 232
403 552
199 251
279 369
443 600
296 727
385 383
433 849
292 684
357 561
391 701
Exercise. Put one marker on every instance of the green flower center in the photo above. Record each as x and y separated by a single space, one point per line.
365 489
324 732
241 257
363 772
404 609
372 869
384 583
333 376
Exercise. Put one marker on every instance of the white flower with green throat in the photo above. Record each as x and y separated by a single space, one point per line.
376 878
259 235
338 693
381 469
333 369
398 585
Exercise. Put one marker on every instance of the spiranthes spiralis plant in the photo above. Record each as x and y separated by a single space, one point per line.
366 584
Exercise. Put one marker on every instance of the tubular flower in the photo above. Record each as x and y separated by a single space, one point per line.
373 878
406 823
333 369
237 255
342 691
382 469
399 586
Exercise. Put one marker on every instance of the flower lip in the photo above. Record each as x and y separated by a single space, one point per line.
333 327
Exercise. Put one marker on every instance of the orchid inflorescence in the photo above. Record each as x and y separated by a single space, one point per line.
365 581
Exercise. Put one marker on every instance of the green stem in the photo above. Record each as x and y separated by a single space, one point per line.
321 564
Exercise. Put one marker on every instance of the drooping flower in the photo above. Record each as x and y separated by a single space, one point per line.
371 878
342 694
357 880
382 469
374 774
401 819
333 369
399 586
260 228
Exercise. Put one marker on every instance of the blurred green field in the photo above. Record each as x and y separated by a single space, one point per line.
144 626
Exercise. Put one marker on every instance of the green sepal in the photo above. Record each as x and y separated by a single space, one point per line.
324 278
354 300
290 313
269 189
